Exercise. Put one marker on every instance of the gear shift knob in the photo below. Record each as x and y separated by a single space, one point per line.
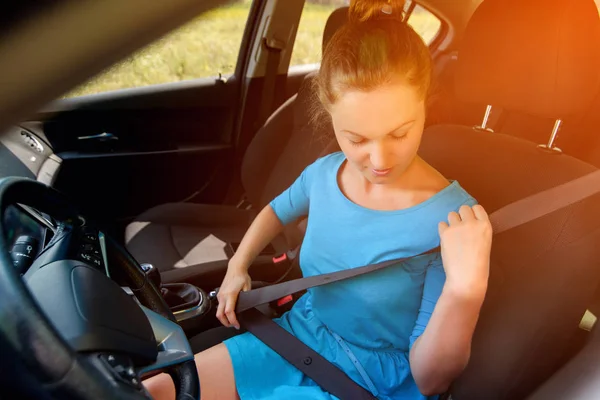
153 274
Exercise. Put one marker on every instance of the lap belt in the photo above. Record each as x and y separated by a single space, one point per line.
325 374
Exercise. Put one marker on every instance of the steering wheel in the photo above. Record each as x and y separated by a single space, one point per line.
82 334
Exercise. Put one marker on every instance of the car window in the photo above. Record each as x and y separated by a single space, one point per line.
425 23
307 47
204 47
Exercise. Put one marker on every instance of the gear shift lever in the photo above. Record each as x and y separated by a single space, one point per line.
185 301
153 274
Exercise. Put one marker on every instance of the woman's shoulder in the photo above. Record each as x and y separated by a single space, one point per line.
462 197
329 162
449 189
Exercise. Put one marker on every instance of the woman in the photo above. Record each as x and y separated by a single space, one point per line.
403 332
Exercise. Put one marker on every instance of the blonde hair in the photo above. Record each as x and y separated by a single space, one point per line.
376 47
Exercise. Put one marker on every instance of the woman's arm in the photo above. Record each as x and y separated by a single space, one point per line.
441 353
284 209
262 231
265 227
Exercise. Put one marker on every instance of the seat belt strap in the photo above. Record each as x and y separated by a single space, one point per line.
508 217
327 375
311 363
256 297
274 48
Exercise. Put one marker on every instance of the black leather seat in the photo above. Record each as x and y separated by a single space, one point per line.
186 242
540 58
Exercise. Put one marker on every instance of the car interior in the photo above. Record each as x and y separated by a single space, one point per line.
153 188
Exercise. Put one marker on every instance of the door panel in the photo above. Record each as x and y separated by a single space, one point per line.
126 151
124 184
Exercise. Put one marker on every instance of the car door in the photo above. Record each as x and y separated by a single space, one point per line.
157 127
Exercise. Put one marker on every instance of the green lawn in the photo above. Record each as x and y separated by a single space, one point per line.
209 45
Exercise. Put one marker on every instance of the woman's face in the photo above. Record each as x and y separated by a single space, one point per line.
380 131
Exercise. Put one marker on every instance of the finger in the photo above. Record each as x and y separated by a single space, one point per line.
442 226
223 300
230 313
466 213
453 218
480 213
221 313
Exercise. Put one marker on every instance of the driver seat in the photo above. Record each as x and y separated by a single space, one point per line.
186 241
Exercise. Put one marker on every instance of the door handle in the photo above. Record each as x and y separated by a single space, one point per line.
101 137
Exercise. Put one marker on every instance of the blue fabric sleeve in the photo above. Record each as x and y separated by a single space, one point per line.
294 201
435 277
432 290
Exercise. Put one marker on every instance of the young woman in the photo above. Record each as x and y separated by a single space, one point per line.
403 332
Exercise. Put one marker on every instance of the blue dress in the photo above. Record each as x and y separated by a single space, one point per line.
365 325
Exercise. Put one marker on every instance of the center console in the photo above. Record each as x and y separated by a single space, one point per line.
189 304
195 310
185 300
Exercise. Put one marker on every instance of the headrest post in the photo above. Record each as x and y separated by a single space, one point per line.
484 123
552 140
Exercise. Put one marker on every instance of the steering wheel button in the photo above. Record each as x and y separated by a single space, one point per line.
110 359
90 237
87 247
91 249
91 259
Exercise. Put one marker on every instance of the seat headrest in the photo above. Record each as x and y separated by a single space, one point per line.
541 57
336 20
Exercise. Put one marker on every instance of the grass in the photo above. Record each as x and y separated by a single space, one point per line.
209 45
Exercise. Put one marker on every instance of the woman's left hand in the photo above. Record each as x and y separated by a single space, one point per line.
466 242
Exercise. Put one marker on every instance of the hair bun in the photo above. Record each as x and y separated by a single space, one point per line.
368 10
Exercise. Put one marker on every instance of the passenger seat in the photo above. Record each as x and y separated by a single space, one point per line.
186 242
540 58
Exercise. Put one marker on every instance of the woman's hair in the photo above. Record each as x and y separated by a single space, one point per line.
376 47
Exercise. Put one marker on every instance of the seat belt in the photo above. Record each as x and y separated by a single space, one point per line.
274 48
326 374
266 105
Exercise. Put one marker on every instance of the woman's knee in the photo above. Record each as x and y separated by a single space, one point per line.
215 371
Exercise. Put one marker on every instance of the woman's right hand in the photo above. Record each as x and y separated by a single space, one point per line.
236 280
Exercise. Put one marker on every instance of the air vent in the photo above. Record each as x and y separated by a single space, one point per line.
31 141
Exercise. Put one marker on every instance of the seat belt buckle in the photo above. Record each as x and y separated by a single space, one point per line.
284 300
287 257
280 258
